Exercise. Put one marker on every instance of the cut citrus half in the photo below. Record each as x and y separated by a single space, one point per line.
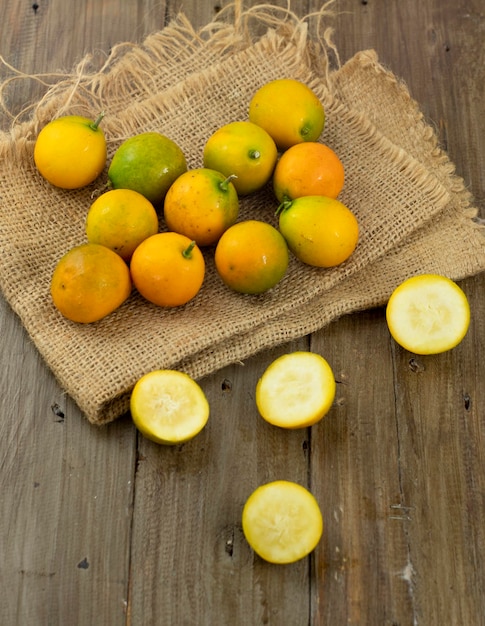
428 314
168 406
296 390
282 522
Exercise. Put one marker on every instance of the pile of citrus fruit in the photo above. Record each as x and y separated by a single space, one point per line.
150 185
157 215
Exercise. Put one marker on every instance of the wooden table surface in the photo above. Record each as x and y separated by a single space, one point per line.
98 526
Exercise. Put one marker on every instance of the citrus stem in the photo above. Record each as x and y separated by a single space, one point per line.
187 253
224 184
284 205
254 154
97 121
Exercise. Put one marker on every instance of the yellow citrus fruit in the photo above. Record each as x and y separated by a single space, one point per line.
148 163
244 150
168 269
289 111
89 282
428 314
320 231
251 257
308 169
70 151
201 204
296 390
121 219
168 407
282 522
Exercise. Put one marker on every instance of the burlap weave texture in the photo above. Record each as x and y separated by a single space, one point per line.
413 211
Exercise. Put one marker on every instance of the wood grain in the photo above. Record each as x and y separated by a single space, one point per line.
100 526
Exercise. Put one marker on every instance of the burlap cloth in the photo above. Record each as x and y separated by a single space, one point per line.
415 213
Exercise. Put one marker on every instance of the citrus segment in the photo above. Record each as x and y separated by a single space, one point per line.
428 314
296 390
168 406
282 522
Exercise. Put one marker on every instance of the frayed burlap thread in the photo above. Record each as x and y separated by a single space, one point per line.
408 202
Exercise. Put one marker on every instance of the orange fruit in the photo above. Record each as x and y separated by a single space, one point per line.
121 219
70 151
320 231
289 111
308 169
428 314
251 257
168 407
148 163
296 390
168 269
243 150
201 204
89 282
282 522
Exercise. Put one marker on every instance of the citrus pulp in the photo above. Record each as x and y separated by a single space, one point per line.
168 407
428 314
296 390
282 521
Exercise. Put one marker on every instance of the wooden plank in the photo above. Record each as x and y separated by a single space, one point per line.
362 569
437 451
67 488
59 478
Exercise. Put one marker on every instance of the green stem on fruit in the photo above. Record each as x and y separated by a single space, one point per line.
304 130
97 121
284 205
187 253
224 184
254 154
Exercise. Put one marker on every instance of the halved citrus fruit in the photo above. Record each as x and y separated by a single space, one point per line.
296 390
282 522
428 314
168 406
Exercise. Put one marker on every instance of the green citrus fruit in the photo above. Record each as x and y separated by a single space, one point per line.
148 163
